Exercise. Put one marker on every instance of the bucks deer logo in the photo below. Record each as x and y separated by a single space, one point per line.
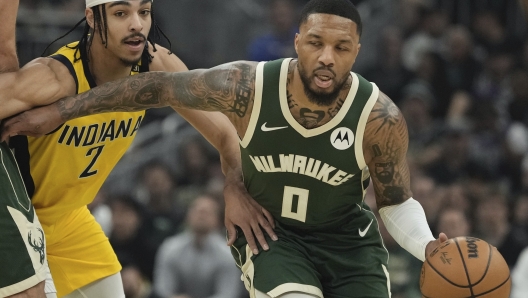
38 244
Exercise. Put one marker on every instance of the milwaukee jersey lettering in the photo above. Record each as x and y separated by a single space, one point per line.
313 179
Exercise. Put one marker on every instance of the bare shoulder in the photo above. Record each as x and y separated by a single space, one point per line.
231 80
165 60
40 82
234 79
48 64
246 69
384 120
50 71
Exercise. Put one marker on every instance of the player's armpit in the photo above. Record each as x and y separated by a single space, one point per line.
385 147
40 82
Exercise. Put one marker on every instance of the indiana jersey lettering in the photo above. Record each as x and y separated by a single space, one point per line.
64 171
68 167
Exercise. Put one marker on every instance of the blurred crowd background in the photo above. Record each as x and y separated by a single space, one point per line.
457 69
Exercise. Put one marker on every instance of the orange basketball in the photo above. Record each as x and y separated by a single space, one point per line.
465 267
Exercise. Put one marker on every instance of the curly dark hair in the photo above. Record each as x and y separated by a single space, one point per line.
100 21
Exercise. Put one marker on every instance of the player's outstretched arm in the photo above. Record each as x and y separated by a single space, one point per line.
385 148
228 88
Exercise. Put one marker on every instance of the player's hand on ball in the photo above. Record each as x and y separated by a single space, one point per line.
434 244
243 211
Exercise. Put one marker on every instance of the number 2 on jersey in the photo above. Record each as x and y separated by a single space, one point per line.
88 171
295 203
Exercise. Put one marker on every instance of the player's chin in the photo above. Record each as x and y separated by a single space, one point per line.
323 91
131 59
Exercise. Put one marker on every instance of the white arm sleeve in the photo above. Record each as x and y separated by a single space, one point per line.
407 225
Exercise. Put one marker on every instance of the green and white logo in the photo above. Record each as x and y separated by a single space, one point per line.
342 138
37 242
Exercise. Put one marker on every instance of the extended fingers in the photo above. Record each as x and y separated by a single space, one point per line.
269 218
265 224
260 236
231 233
250 239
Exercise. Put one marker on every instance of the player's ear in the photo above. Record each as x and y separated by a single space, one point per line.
89 17
358 48
296 42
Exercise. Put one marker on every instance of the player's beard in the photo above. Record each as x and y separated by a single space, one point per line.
129 62
135 61
319 98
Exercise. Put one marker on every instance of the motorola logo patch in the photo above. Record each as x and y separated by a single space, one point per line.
342 138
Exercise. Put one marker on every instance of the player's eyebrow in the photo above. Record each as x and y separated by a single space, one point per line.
344 41
314 35
126 3
319 37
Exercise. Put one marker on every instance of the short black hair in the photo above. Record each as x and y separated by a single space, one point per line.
342 8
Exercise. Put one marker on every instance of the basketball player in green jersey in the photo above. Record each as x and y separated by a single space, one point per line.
23 260
312 136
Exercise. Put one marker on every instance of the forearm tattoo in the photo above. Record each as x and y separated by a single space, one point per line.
391 178
228 88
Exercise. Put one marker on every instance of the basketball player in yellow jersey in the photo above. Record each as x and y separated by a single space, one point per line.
64 170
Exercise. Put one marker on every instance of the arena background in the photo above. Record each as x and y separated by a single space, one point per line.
458 70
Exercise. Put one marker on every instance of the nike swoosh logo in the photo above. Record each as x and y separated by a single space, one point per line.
264 128
364 232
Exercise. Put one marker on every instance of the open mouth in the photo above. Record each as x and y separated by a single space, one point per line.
323 81
134 42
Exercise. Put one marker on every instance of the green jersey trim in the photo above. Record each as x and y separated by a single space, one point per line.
28 201
307 133
259 85
360 131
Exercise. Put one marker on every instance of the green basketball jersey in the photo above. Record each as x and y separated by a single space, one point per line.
22 243
313 179
12 187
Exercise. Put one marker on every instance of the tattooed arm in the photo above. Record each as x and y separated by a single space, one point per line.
385 147
228 88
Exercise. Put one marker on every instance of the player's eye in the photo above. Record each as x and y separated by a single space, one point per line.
119 13
145 12
315 43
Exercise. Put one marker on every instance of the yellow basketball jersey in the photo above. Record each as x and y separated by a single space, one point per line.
69 166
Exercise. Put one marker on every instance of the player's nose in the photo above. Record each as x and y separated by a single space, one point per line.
327 56
135 23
